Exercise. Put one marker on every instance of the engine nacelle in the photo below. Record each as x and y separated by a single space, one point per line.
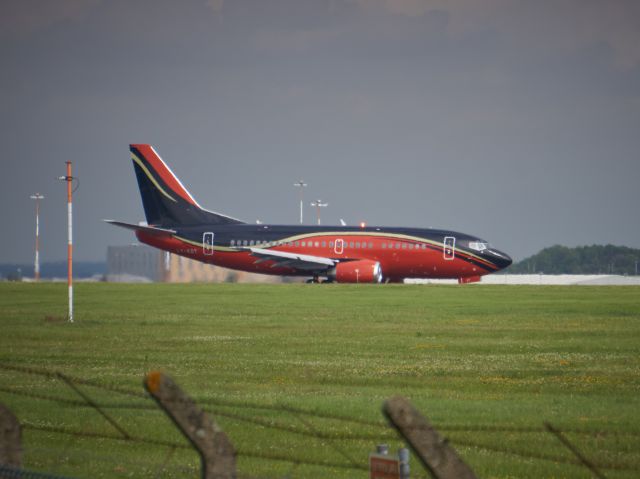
362 271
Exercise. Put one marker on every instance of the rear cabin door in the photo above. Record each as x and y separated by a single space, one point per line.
449 250
339 246
207 243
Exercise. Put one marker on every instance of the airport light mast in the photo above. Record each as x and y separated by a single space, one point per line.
301 184
319 204
36 264
69 179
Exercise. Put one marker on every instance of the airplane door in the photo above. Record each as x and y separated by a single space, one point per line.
207 243
339 246
449 250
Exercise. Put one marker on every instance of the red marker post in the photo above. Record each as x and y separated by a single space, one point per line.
69 179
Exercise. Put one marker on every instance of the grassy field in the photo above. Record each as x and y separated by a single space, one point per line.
296 374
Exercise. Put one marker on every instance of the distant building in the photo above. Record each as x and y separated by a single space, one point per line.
141 263
134 263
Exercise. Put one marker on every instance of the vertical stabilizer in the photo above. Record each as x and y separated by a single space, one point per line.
165 200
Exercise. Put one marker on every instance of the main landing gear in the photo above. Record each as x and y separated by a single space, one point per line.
316 279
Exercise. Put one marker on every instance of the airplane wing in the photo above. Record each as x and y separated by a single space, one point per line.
147 229
292 260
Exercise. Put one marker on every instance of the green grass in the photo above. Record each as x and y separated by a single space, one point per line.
473 359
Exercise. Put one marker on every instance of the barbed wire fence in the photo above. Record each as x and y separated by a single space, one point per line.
118 431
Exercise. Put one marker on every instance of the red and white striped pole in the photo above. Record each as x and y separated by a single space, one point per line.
70 243
69 179
36 265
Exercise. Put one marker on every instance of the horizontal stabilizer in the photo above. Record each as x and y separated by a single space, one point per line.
147 229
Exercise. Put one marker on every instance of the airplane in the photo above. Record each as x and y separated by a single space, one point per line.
344 254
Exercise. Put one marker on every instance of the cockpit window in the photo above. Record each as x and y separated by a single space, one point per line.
478 245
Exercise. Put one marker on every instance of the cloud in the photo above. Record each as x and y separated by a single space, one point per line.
24 17
566 25
215 5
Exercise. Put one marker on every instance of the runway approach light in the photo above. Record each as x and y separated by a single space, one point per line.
362 224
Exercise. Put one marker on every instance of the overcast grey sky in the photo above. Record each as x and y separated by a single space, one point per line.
517 121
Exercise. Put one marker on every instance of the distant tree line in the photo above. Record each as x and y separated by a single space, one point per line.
595 259
57 269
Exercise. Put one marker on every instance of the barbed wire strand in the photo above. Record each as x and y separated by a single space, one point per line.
296 412
109 459
441 427
332 443
84 382
292 429
240 451
284 408
97 408
354 436
215 401
99 435
566 443
538 456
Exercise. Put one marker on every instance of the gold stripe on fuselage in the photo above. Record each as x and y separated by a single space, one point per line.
343 234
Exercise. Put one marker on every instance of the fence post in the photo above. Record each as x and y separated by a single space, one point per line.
217 454
440 459
10 439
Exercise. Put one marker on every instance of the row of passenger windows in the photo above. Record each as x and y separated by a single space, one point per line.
323 244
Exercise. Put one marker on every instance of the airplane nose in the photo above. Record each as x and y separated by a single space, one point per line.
501 260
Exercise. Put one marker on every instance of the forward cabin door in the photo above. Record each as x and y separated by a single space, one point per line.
449 250
207 243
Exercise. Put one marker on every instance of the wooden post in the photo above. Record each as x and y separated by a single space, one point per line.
217 454
10 439
440 459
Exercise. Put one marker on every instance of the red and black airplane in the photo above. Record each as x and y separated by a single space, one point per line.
346 254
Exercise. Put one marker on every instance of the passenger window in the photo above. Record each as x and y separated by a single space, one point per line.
317 244
384 245
404 245
370 245
397 245
357 244
324 244
297 243
350 244
330 244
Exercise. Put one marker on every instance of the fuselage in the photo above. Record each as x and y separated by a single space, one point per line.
400 252
348 254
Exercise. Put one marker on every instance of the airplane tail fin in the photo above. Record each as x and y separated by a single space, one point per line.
165 200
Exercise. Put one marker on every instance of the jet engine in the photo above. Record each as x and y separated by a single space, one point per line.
362 271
